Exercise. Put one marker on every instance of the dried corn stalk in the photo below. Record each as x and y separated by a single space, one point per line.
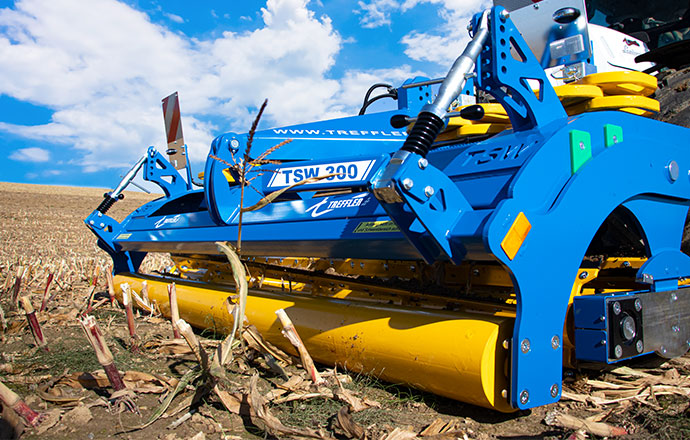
291 334
33 323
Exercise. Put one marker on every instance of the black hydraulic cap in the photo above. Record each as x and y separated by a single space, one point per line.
400 121
472 112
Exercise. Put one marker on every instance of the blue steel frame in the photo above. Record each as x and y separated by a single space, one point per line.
457 203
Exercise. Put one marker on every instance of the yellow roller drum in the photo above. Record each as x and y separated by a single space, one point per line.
459 355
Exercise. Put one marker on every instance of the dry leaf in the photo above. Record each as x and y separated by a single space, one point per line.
400 434
262 417
347 424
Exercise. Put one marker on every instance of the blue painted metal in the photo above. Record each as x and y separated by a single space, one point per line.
477 191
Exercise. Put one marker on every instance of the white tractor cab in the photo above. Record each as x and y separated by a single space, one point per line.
574 38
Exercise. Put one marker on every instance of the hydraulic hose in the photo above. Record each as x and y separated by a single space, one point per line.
430 120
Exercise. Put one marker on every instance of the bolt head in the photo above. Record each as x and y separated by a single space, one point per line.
584 275
554 390
504 15
423 163
525 346
524 397
429 191
555 342
626 264
618 351
617 308
407 183
638 304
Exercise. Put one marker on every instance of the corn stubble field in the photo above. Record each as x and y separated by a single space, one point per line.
171 392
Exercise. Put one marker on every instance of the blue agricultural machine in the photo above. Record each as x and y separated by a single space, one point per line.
468 249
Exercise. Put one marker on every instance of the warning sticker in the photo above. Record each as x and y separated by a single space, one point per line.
381 226
123 236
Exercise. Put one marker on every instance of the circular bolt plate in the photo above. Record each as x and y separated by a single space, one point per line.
616 307
555 342
524 397
525 345
618 351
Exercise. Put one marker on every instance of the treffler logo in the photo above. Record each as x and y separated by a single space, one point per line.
325 206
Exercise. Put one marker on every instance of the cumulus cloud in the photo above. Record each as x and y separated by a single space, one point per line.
32 154
105 86
445 44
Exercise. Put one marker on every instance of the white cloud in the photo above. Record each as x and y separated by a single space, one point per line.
105 87
175 18
445 44
376 13
32 154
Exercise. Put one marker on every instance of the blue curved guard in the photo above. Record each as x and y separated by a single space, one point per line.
563 223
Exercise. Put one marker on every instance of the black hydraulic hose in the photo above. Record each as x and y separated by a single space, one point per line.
392 93
376 98
423 133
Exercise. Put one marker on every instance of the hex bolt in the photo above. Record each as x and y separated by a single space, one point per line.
584 275
638 304
423 163
626 264
524 397
101 225
504 393
602 318
525 346
663 349
407 183
674 297
504 15
554 390
615 139
429 191
582 145
617 308
618 351
506 344
91 222
602 342
555 342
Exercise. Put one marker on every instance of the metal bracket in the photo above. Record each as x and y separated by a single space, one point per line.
158 170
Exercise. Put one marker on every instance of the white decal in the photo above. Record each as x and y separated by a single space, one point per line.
166 220
332 205
345 172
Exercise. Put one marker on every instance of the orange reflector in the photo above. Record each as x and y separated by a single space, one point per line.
516 235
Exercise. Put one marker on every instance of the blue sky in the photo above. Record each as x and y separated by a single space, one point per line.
81 81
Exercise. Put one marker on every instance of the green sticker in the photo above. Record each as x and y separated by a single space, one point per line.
580 149
381 226
123 236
